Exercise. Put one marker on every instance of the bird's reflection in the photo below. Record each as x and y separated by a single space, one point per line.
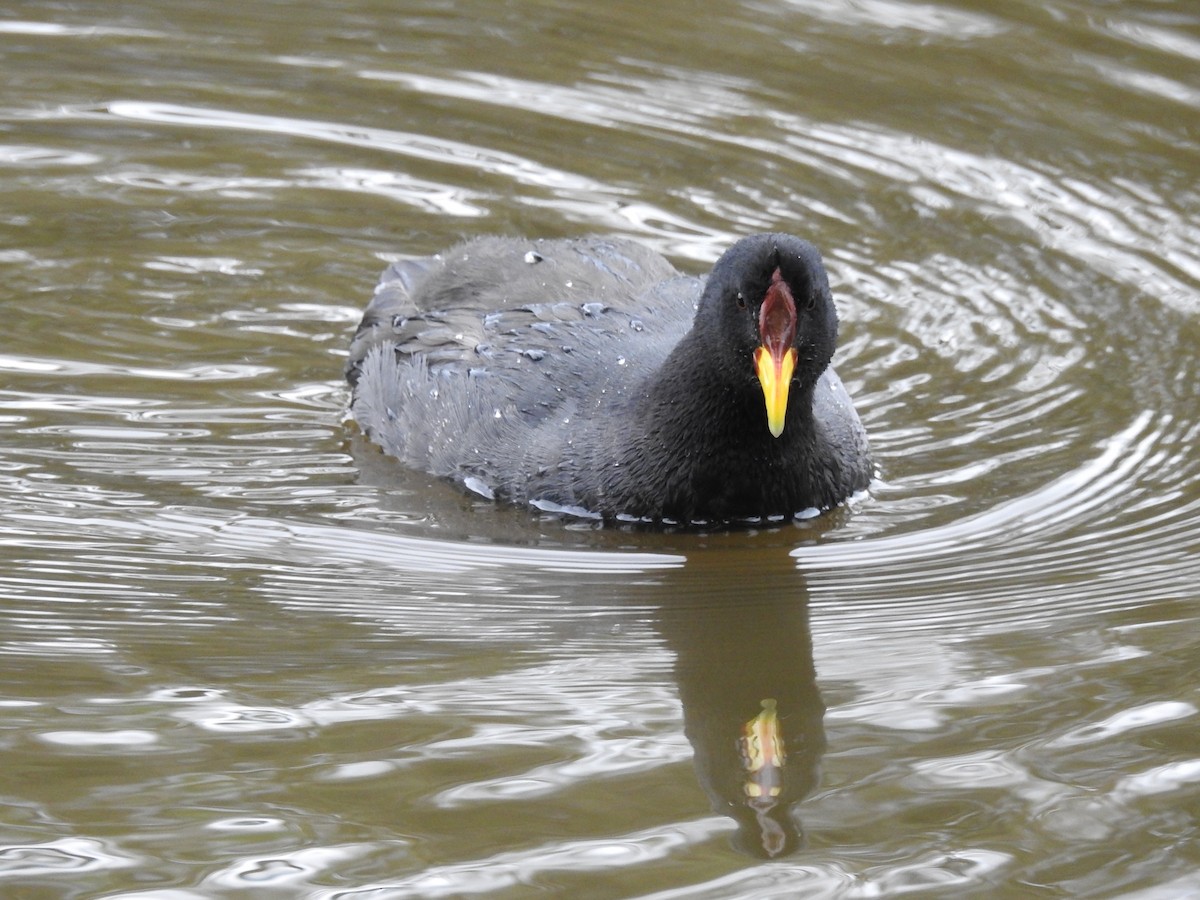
744 666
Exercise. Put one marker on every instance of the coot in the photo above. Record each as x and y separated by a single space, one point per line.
589 376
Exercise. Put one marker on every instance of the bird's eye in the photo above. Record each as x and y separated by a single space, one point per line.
741 300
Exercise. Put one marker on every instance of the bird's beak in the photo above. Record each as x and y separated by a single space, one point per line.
775 375
775 360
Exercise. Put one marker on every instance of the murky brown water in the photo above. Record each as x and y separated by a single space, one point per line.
245 656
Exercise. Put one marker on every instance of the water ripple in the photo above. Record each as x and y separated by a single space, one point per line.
521 868
72 855
419 146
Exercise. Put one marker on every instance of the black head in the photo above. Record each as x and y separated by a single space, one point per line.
769 295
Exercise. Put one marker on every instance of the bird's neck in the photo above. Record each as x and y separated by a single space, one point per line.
692 404
699 432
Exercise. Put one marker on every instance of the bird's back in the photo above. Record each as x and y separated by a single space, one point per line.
481 363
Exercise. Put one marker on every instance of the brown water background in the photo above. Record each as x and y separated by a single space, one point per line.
242 655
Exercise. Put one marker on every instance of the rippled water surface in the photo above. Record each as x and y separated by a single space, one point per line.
246 655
